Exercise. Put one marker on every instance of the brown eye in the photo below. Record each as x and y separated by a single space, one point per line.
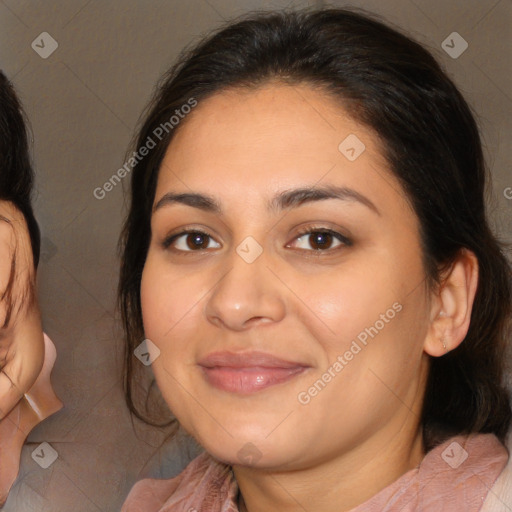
197 241
322 240
189 241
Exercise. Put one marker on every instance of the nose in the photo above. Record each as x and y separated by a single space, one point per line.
248 294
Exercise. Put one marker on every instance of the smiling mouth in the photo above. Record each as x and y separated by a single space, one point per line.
246 373
249 380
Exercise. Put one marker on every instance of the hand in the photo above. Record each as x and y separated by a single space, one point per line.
21 334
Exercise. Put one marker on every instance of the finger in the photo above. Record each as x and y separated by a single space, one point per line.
10 394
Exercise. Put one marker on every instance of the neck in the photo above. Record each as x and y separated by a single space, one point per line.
338 484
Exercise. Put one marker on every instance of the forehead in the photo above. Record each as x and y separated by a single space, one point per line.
295 113
242 141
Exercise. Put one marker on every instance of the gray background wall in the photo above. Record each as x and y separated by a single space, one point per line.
84 102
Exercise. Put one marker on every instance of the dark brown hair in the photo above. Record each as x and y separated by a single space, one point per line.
430 138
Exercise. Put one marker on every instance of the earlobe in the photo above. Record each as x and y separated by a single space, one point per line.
452 304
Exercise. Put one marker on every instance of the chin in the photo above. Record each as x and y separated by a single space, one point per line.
257 451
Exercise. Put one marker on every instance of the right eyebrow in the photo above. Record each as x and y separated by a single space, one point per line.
201 201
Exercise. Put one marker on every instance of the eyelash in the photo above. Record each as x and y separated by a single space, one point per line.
306 231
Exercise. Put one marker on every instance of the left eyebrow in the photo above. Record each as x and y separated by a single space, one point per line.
298 196
284 200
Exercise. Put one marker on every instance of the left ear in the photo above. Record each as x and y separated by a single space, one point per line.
451 305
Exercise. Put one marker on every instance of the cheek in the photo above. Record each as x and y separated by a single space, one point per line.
171 305
164 306
349 302
374 317
153 298
165 299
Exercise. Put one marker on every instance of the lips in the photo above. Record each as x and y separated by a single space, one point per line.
249 372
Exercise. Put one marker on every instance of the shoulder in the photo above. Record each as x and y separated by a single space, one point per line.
459 471
500 493
204 479
464 469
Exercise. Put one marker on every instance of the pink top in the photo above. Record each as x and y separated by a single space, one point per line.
454 476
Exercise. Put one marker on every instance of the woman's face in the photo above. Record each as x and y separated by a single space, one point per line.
341 317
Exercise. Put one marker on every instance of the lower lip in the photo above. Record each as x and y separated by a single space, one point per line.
249 380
